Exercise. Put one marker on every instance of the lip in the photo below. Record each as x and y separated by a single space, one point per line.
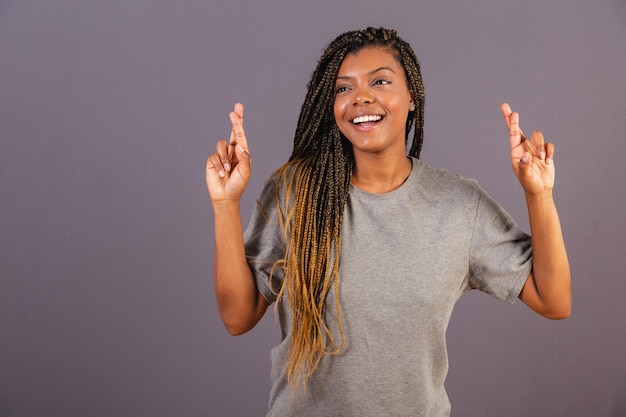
356 116
366 126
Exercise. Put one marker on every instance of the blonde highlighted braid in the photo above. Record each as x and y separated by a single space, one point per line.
316 181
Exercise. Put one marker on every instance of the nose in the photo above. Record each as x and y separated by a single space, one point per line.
363 96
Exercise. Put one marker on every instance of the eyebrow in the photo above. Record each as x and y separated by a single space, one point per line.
345 77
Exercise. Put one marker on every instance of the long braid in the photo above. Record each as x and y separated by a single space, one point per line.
316 182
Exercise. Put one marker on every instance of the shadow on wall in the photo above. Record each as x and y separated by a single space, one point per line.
619 409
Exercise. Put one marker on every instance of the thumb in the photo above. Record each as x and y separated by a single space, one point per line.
245 162
525 163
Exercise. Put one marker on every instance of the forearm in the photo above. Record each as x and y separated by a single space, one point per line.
237 296
550 264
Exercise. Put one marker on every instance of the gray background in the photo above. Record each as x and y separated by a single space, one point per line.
108 110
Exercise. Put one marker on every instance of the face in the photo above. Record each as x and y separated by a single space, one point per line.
372 101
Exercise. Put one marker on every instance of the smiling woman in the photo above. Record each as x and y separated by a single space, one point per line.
365 249
372 105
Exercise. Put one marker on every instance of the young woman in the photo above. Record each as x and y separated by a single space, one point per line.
365 250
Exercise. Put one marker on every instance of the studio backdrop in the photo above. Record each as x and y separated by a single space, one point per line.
108 110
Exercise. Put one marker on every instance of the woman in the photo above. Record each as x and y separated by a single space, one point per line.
364 249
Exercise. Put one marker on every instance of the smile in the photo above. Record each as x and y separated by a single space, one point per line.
367 118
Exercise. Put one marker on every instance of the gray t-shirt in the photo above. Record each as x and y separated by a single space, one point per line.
406 258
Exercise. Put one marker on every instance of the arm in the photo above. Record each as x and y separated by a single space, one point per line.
240 303
548 287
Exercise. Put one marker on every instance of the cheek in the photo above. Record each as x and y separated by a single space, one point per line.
338 110
399 102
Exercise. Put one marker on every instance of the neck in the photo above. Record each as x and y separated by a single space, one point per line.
380 174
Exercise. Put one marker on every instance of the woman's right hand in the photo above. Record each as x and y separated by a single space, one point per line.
229 168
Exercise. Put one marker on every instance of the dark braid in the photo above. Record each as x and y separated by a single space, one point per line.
317 182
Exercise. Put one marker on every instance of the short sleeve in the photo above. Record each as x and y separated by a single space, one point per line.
265 244
500 252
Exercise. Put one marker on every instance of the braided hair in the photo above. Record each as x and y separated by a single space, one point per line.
316 180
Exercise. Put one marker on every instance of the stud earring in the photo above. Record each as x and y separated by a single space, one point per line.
412 108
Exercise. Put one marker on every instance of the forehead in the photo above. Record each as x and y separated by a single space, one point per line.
370 58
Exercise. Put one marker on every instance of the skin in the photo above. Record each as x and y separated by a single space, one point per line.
228 171
548 288
372 82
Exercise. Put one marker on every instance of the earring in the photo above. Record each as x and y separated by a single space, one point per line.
412 108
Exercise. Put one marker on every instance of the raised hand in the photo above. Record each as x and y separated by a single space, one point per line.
229 168
532 160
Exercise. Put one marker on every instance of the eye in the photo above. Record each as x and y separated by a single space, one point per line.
382 81
341 89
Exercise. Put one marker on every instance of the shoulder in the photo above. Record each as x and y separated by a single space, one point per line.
277 195
444 183
277 183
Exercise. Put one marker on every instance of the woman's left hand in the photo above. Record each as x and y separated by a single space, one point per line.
532 160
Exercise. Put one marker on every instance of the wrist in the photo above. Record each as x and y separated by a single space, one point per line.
225 205
545 196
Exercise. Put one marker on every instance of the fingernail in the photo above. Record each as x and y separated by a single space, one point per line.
241 149
548 161
542 155
221 173
227 167
525 157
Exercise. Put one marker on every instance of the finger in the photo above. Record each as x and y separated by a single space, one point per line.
515 134
538 146
524 168
238 134
233 137
549 153
214 165
507 112
244 166
222 157
241 147
239 110
236 117
223 151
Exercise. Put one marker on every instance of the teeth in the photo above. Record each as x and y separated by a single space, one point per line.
370 118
